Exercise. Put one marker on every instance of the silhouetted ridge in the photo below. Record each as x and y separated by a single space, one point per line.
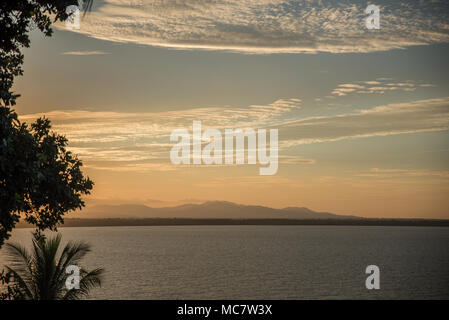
206 210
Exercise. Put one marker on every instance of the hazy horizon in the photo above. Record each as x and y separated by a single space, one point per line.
197 209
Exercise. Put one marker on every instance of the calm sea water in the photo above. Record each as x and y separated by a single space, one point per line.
264 262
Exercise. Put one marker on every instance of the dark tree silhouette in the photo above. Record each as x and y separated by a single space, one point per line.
39 178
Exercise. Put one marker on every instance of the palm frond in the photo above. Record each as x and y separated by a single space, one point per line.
74 252
19 256
88 281
21 265
21 284
44 252
71 255
40 274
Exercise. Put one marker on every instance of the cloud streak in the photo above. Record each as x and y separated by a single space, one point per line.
401 173
399 118
379 86
140 141
84 53
267 26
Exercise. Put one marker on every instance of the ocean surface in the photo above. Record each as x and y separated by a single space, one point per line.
263 262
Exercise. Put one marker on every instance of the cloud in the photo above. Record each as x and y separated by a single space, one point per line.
401 173
267 26
140 141
372 82
342 91
105 127
380 86
399 118
285 159
351 85
84 53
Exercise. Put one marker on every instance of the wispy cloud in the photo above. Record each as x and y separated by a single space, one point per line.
401 173
84 53
268 26
140 141
409 117
378 86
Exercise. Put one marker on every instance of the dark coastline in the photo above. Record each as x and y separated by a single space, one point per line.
70 222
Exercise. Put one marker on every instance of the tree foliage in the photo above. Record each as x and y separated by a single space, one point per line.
39 178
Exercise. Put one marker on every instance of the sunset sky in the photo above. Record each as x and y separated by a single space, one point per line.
363 115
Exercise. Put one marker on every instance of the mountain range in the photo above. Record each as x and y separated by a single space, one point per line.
206 210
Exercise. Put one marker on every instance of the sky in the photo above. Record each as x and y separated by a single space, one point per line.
363 115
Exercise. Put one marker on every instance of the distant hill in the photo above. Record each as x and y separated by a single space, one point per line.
206 210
